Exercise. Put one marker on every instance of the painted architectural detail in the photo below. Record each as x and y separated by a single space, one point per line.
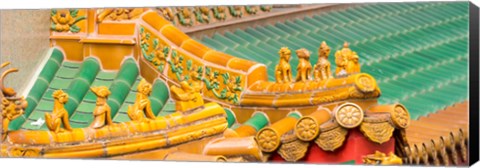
153 50
220 12
185 16
202 14
235 11
229 91
118 14
65 20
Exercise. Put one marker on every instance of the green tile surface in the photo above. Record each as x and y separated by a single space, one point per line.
82 115
418 52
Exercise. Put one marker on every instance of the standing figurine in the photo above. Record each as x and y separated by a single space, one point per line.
59 114
283 72
341 60
304 67
353 65
347 61
142 106
101 112
321 71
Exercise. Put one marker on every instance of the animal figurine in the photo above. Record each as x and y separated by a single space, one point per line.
102 111
59 114
321 70
283 72
186 96
142 106
304 67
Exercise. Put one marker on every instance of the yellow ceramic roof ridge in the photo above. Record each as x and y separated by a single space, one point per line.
192 56
160 35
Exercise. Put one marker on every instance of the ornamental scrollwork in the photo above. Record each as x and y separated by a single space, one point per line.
232 85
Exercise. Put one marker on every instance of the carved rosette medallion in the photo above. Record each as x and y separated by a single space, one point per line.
307 129
365 83
268 140
331 139
292 149
377 130
349 115
400 116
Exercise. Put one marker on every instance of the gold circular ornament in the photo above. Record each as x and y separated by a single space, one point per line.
268 140
307 128
400 116
365 83
349 115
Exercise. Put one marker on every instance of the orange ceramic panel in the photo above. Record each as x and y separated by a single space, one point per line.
293 100
91 19
195 48
155 20
240 64
259 73
128 41
147 71
246 130
258 99
111 56
259 86
76 154
218 58
209 110
72 48
174 35
113 28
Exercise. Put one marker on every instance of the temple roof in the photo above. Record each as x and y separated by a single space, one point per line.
408 70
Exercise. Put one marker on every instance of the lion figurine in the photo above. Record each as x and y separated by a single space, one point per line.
304 67
59 114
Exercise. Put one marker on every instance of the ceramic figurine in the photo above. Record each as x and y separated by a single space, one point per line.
142 107
186 96
283 72
102 111
321 70
59 115
304 67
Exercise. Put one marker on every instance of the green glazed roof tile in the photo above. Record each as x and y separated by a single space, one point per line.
409 69
73 65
